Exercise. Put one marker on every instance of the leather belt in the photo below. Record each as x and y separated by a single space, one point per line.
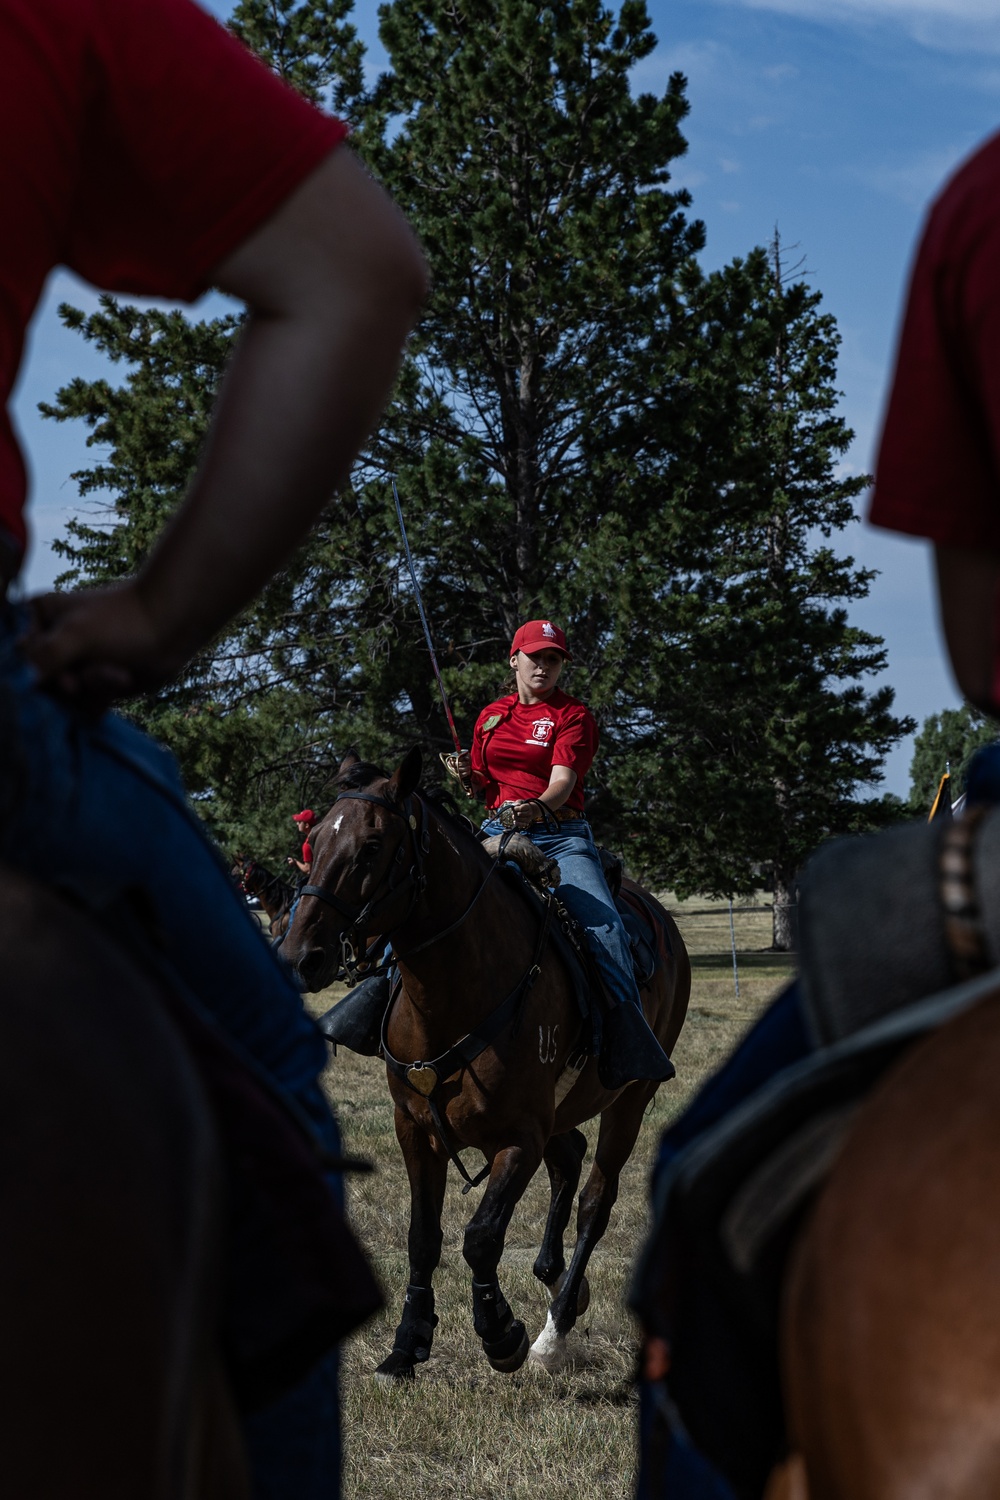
561 814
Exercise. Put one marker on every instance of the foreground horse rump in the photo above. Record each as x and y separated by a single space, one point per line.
386 861
891 1339
110 1191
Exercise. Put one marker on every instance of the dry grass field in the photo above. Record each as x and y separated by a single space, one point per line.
460 1431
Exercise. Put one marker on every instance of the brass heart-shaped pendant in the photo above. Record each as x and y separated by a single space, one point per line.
423 1078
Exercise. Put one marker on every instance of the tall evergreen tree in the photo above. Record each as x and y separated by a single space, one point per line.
771 738
586 428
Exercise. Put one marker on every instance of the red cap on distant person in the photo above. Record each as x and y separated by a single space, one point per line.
305 816
540 635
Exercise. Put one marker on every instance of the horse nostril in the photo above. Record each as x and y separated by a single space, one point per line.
311 964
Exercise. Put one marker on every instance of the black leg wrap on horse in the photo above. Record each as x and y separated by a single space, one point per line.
505 1339
415 1333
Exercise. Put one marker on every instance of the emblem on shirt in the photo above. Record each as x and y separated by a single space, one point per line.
541 731
491 722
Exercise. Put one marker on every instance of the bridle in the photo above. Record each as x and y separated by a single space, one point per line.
249 869
364 917
425 1077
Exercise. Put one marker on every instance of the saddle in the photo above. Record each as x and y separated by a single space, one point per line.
649 940
356 1021
877 973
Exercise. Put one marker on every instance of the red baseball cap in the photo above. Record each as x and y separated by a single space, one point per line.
540 635
306 816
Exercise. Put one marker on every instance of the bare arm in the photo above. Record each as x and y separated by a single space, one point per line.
968 600
561 782
334 281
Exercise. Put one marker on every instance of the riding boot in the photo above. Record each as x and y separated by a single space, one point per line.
629 1050
356 1021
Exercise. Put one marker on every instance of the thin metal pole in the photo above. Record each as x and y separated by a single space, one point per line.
732 939
423 621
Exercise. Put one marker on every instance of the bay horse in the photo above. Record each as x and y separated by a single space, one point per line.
472 954
111 1188
891 1321
274 894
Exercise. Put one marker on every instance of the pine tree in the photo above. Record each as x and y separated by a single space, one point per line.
586 428
771 739
539 186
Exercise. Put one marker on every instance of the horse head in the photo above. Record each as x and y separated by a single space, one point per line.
365 876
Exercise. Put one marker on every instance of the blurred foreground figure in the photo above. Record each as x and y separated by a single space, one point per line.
886 1295
938 473
148 151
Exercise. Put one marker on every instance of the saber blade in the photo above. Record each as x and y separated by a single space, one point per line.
423 620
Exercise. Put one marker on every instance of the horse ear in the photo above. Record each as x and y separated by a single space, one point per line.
406 778
352 758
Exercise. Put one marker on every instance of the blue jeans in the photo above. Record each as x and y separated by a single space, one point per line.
97 810
585 891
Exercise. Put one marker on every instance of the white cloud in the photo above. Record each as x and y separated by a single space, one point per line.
698 61
916 181
729 166
780 72
682 176
947 25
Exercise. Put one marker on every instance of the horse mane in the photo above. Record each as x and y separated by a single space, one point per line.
359 776
446 807
363 773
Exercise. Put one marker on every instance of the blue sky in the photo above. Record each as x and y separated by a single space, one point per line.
834 121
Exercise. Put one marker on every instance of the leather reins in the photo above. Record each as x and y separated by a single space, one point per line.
365 915
361 916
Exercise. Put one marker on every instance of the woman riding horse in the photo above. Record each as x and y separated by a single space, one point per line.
531 750
485 1045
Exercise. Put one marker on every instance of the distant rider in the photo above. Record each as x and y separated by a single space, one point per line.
305 821
531 750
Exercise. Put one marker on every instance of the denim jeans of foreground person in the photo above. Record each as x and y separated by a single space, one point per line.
584 891
96 809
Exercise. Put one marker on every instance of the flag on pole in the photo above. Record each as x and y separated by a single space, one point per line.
942 802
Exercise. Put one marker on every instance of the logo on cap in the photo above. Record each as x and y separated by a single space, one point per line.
548 630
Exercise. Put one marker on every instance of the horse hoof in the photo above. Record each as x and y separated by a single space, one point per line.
549 1349
394 1368
509 1353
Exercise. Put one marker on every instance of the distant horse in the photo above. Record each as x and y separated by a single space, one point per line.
111 1193
274 894
891 1328
482 1046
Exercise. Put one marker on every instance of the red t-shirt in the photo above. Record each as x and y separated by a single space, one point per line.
515 745
307 853
938 470
141 144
